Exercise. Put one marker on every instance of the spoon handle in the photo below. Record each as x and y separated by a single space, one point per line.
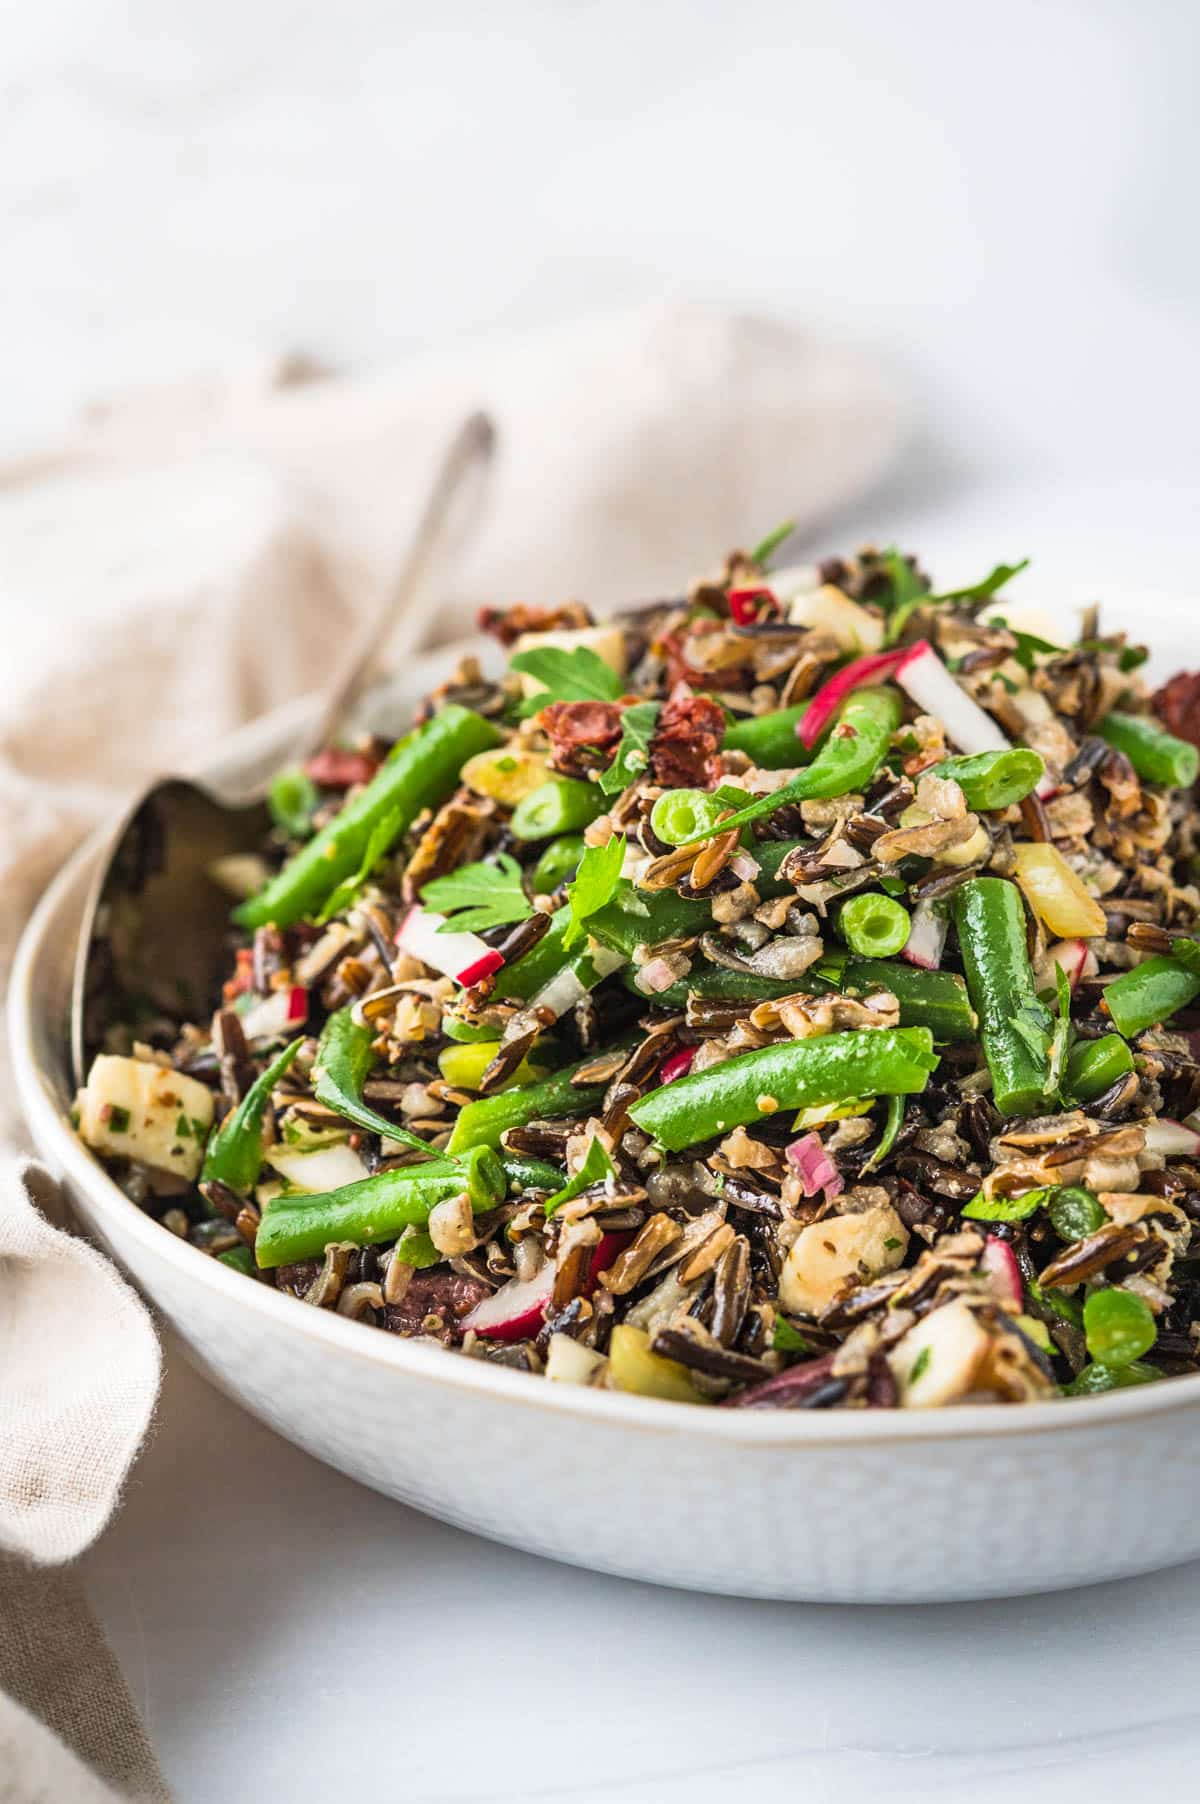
451 510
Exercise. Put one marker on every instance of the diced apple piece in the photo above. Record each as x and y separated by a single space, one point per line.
505 775
140 1110
827 610
939 1360
569 1363
832 1252
633 1367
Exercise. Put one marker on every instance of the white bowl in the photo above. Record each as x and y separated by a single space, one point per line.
865 1507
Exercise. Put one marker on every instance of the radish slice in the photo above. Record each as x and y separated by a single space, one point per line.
1000 1263
817 1170
1171 1137
279 1013
463 956
925 678
926 937
678 1065
1073 955
608 1247
516 1311
748 606
566 987
825 702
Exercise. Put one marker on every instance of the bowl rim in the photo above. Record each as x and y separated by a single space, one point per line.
793 1429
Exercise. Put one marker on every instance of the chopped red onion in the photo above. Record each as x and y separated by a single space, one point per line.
817 1170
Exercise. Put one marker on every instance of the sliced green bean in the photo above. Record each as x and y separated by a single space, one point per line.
829 1068
1093 1066
1150 994
374 1209
990 918
563 805
992 780
1156 755
482 1123
875 926
421 771
558 863
771 740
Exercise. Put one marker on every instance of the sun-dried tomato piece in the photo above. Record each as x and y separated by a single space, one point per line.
507 624
337 769
583 735
684 750
1177 705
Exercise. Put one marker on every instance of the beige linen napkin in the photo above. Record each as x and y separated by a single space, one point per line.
183 565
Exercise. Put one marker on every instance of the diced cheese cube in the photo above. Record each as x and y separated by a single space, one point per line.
145 1111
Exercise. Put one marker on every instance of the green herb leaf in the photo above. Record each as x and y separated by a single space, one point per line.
787 1339
767 547
996 580
1005 1208
638 723
118 1119
1060 1039
1029 646
577 675
485 895
415 1247
380 841
891 1127
595 884
908 591
596 1166
921 1364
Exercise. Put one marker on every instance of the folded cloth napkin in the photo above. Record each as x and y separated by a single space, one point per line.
184 564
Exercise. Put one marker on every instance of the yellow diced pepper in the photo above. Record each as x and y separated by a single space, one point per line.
1055 894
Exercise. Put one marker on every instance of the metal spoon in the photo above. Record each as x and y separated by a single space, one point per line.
163 848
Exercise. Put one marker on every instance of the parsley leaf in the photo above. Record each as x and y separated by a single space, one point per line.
1060 1039
485 895
1028 644
908 591
786 1339
767 547
595 884
891 1127
596 1165
1005 1208
577 675
348 889
638 724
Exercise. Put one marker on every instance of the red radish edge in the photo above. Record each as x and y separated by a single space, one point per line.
1000 1263
483 967
416 936
608 1248
516 1311
678 1065
926 939
280 1010
853 676
741 603
1173 1137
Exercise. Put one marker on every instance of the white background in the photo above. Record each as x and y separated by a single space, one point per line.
1004 196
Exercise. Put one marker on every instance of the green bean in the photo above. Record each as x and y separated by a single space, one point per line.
1119 1326
238 1259
640 917
937 1000
563 805
829 1068
875 926
1074 1212
530 1174
528 974
992 780
1095 1378
235 1152
292 800
771 740
990 919
421 771
481 1123
374 1209
847 760
1156 755
682 815
1150 994
1094 1065
558 863
344 1060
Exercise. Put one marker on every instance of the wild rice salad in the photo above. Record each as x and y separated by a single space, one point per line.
781 997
